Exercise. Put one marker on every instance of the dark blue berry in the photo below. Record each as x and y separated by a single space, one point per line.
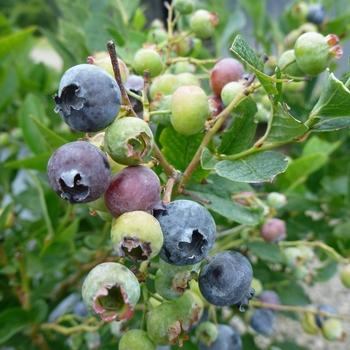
262 321
270 297
189 232
88 99
316 14
319 319
226 279
228 339
79 172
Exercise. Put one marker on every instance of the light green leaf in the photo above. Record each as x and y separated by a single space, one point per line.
12 41
256 167
266 251
318 145
33 106
334 100
208 162
241 48
4 214
179 150
218 191
240 135
284 126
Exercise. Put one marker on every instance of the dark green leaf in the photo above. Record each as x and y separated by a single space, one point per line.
326 272
179 150
38 162
207 160
334 100
12 321
331 124
39 311
33 106
256 167
292 294
219 191
240 135
266 251
286 345
284 126
53 140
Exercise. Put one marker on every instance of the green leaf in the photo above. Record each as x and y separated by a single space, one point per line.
241 48
304 166
52 139
39 311
266 251
218 191
284 126
179 150
4 214
241 134
286 345
326 272
208 162
318 145
33 106
38 162
12 321
331 124
292 293
334 100
12 41
256 167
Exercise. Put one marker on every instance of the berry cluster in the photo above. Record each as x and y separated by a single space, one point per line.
115 171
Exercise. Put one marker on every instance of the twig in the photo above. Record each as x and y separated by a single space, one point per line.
118 78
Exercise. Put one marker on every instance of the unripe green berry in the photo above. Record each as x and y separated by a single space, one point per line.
230 91
276 200
185 7
137 236
189 109
166 84
292 69
136 339
148 59
206 332
345 276
332 329
129 141
203 23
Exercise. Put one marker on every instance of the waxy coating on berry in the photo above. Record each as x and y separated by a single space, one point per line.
228 338
133 188
316 13
137 236
226 279
129 141
110 292
79 172
262 321
88 98
189 232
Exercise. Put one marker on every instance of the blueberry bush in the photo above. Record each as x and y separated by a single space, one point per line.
173 175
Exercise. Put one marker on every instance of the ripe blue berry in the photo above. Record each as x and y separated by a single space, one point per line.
262 321
227 339
316 14
270 297
320 319
189 232
79 172
110 292
88 98
226 280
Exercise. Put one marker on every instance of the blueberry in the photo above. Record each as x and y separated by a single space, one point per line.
88 98
270 297
189 232
321 318
316 14
79 172
80 309
262 321
228 339
226 279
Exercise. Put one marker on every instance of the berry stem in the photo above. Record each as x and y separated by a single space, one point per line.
118 78
70 330
168 169
173 179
